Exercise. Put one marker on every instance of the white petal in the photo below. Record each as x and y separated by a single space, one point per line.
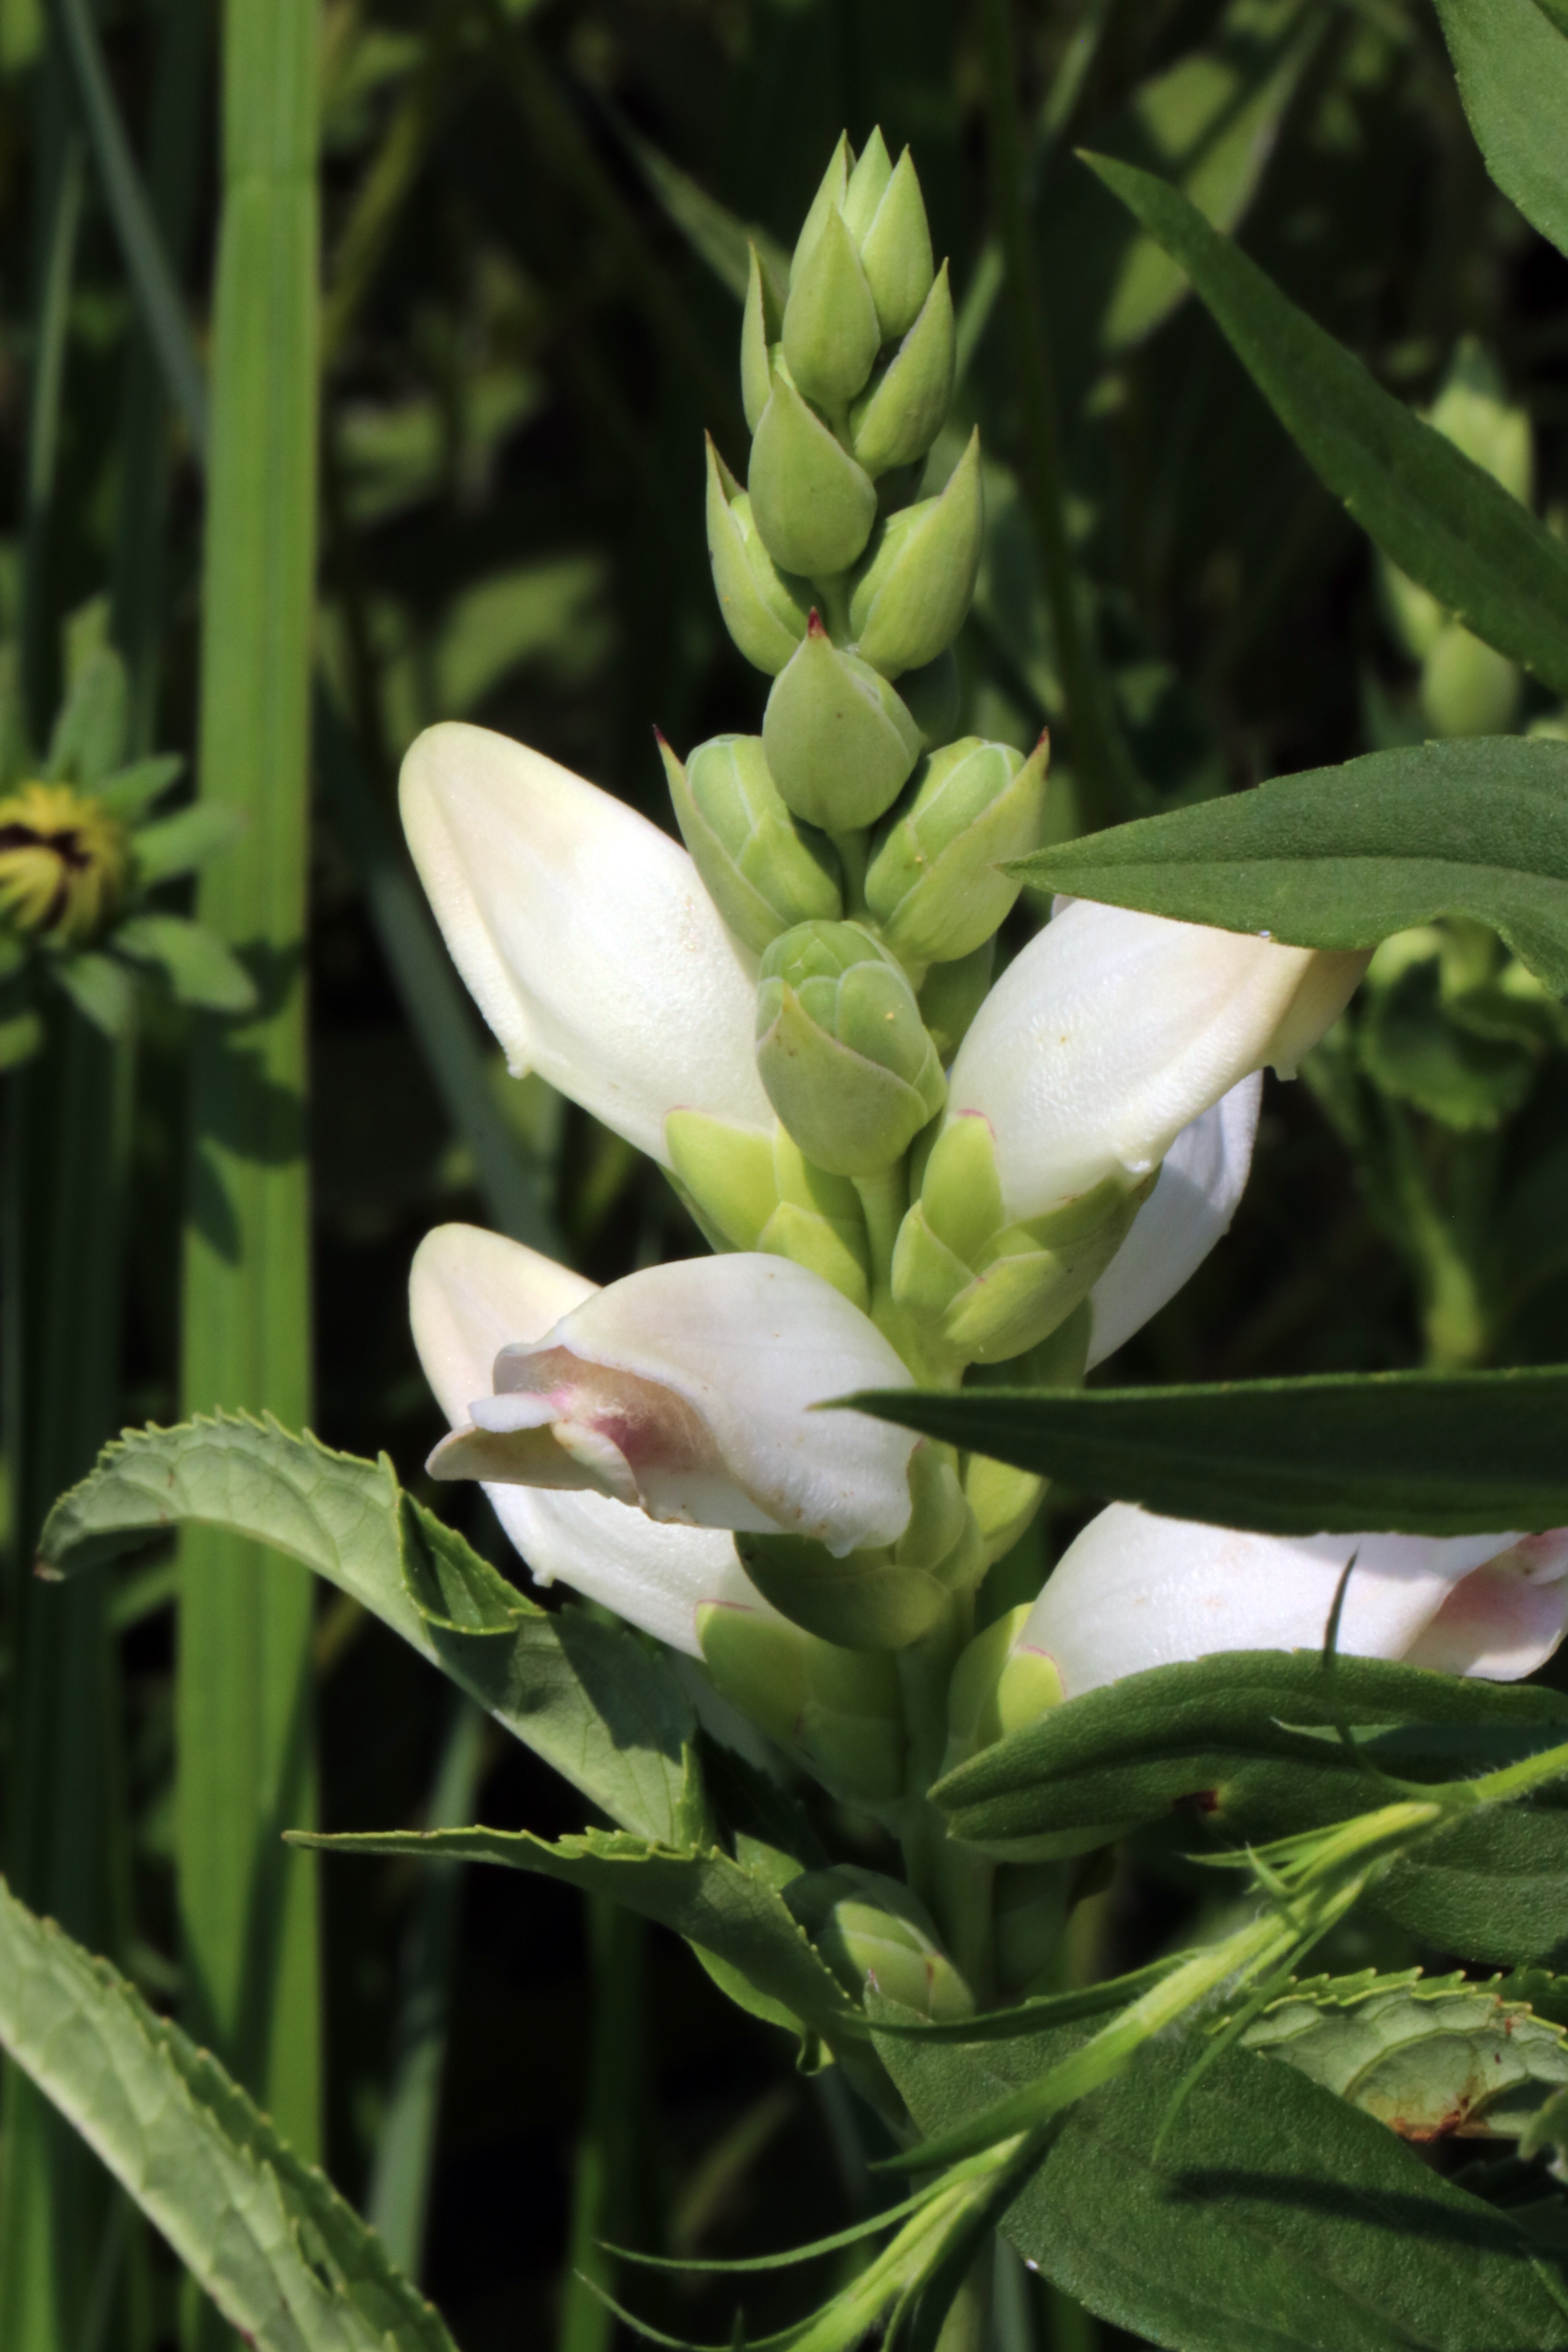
584 935
1135 1590
703 1377
1198 1191
471 1293
1113 1031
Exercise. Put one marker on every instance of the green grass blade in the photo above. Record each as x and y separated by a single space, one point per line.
604 2192
286 2260
398 2198
141 243
59 173
244 1684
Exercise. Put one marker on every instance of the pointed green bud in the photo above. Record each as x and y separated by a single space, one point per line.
935 882
1002 1499
840 1711
813 504
763 872
1467 686
867 186
995 1690
763 611
832 190
951 994
902 410
840 742
896 254
842 1050
915 586
930 695
727 1172
762 324
1472 410
830 333
875 1935
818 1221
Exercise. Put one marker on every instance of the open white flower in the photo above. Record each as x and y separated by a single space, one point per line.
472 1293
687 1391
1114 1030
1197 1193
1135 1590
584 935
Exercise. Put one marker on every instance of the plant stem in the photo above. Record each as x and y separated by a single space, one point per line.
601 2193
1108 785
244 1681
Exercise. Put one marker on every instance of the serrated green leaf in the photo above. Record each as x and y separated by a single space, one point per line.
1429 2059
1246 1740
606 1711
287 2261
1423 1453
1342 858
1273 2218
734 1913
179 843
1440 519
1511 62
198 968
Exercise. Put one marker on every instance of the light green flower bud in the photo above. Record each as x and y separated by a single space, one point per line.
994 1690
875 1934
813 504
1467 687
830 333
756 1192
879 1597
764 612
951 994
935 883
896 254
762 325
901 411
840 741
867 186
832 192
842 1050
1472 410
763 872
64 863
915 586
840 1711
726 1172
818 1221
989 1289
930 695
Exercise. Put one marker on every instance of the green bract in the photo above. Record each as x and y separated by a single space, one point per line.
761 872
838 1709
764 612
915 586
873 1930
840 742
936 883
901 411
813 504
762 325
842 1052
830 333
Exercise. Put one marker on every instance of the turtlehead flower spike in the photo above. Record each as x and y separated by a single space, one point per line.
471 1295
688 1390
584 935
1135 1590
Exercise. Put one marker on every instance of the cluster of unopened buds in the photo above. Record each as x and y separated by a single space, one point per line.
906 1169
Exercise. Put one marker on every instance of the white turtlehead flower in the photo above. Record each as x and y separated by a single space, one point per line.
686 1392
1197 1193
1135 1590
584 937
471 1295
1114 1030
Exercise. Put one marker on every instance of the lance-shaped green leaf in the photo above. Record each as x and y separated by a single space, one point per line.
1243 1741
1342 858
1429 2058
1271 2217
1441 519
199 969
1511 60
737 1915
1420 1453
607 1712
287 2261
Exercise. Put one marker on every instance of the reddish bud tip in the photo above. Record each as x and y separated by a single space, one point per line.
814 627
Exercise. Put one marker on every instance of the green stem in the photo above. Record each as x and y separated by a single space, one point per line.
243 1702
59 174
884 1198
605 2180
1107 781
